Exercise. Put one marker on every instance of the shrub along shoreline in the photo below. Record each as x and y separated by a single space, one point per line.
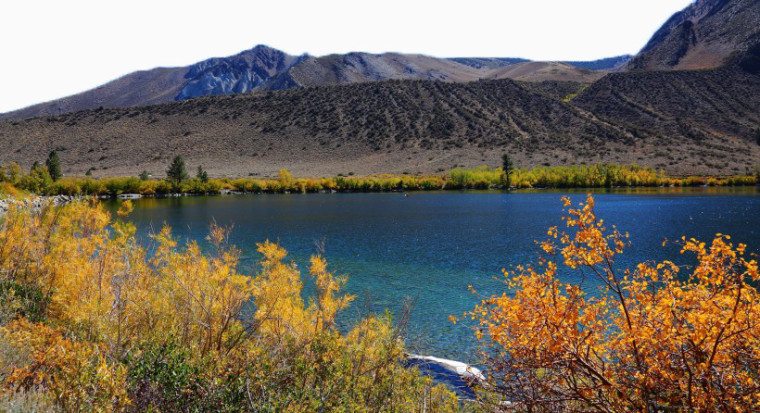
13 180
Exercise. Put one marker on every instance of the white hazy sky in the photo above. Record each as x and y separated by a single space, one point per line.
55 48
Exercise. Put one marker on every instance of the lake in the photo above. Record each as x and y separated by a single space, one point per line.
428 247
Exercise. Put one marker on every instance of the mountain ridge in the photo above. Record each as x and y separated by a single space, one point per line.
265 68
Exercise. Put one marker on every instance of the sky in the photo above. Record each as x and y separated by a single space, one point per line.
55 48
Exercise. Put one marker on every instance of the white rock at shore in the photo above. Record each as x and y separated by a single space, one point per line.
457 367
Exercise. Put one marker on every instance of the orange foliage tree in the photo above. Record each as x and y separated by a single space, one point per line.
659 337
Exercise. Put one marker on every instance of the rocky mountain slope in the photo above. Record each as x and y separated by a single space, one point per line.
716 112
705 35
257 68
389 126
265 68
147 87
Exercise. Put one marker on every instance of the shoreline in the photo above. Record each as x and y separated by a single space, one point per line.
37 201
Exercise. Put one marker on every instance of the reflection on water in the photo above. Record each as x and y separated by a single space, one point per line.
430 246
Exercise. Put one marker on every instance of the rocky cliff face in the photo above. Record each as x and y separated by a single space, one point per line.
244 72
706 35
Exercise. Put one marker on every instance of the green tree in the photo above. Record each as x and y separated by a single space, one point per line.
508 167
53 164
144 176
177 173
202 175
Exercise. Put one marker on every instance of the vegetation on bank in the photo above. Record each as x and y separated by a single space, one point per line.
91 322
657 337
39 181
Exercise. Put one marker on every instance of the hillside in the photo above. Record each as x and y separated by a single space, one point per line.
395 127
609 63
546 71
147 87
391 126
697 117
705 35
365 67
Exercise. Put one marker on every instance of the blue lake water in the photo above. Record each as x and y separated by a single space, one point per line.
429 246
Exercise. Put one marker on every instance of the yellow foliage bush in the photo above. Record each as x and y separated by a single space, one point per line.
180 328
77 375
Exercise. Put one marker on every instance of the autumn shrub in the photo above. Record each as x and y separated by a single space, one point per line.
91 321
6 188
37 181
76 375
657 337
482 177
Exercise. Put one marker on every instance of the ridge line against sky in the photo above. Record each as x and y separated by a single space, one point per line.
54 49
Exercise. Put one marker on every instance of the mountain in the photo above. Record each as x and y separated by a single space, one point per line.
706 35
400 113
365 67
139 88
609 63
696 83
489 63
252 69
264 68
546 71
